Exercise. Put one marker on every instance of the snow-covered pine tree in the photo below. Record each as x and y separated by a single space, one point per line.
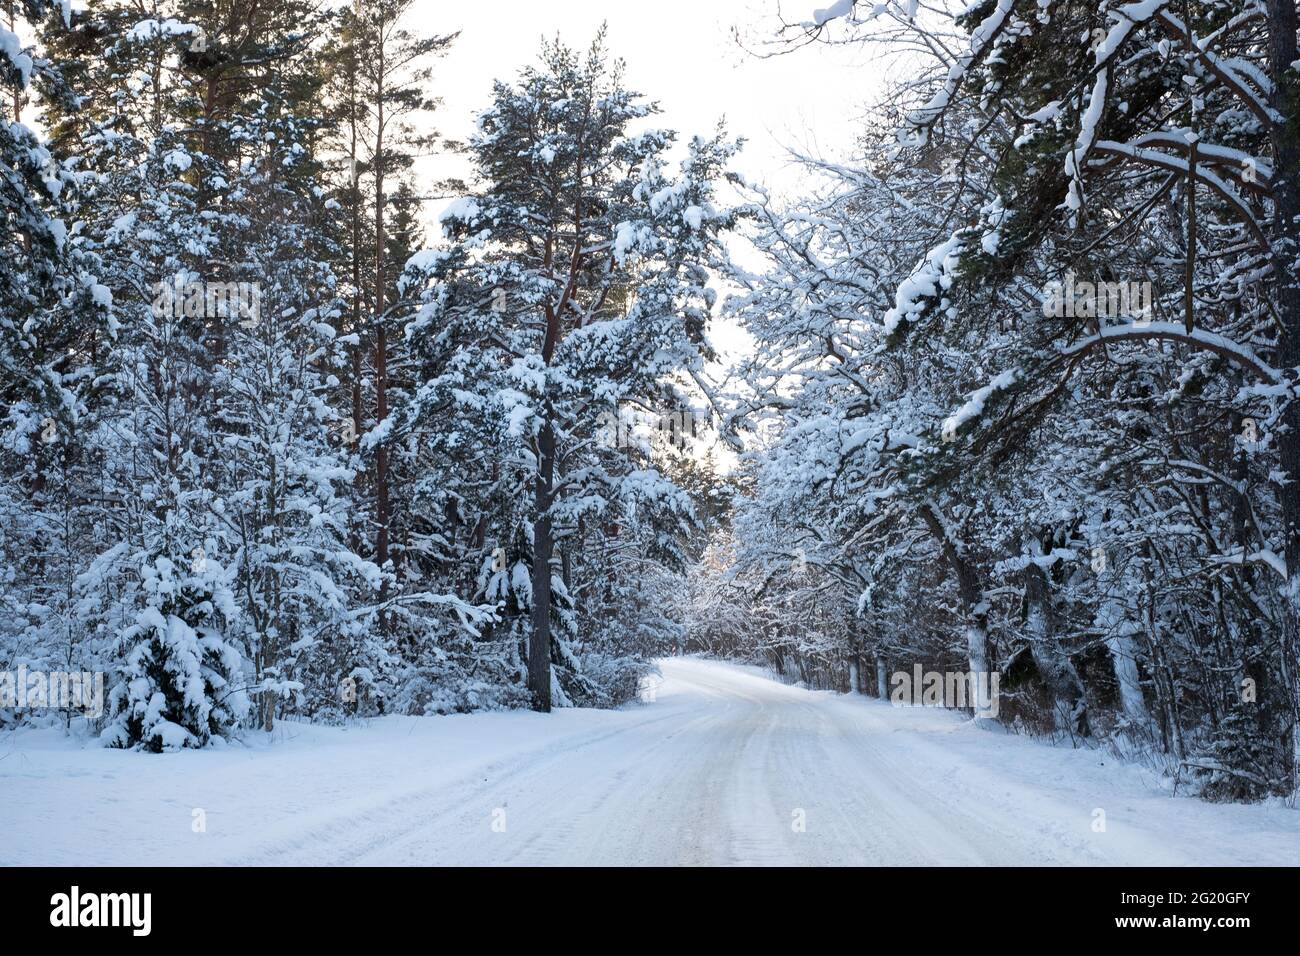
155 205
576 282
145 218
180 684
285 477
382 77
53 315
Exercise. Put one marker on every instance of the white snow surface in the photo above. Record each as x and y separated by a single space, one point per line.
717 770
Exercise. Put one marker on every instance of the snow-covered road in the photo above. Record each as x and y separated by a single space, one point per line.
725 767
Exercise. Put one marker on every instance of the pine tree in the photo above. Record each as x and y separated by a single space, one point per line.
181 681
576 282
53 317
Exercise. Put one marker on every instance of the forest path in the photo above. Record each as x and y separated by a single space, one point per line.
729 767
725 766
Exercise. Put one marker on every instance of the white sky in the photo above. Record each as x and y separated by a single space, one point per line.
678 52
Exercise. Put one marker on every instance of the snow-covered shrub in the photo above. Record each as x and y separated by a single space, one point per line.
180 681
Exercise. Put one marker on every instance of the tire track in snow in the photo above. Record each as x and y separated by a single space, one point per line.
347 838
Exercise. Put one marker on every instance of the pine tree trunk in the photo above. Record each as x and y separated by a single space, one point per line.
358 409
381 346
539 646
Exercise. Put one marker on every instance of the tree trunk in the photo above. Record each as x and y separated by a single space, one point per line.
1053 664
381 344
1112 619
358 409
539 646
969 590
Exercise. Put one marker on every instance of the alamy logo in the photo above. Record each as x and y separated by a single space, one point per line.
958 689
193 300
59 690
102 909
633 427
1085 300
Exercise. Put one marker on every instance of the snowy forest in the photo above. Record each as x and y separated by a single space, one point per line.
293 432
